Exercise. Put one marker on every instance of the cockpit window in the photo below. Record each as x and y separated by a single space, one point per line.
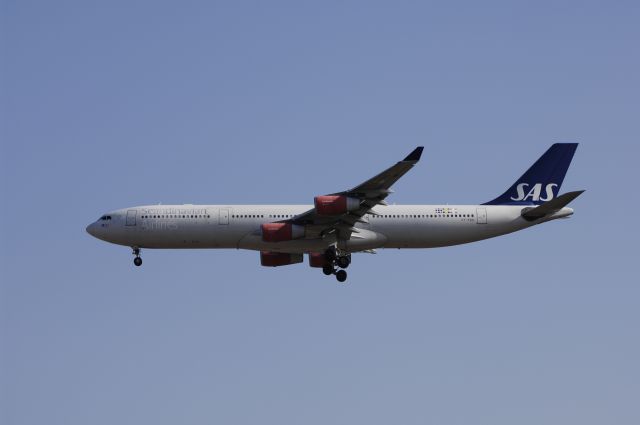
105 217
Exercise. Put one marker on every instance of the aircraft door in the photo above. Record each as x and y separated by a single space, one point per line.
131 218
223 217
481 215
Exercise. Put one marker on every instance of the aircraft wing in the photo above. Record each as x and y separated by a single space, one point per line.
354 203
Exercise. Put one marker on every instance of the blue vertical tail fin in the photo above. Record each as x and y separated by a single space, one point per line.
542 180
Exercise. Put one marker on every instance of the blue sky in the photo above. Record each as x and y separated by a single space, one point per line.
113 104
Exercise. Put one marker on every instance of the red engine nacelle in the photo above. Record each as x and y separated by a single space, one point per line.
317 259
275 259
280 232
335 204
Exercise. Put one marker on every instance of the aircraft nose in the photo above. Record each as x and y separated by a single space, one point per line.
91 229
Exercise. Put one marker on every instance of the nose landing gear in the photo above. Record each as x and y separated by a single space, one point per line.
137 261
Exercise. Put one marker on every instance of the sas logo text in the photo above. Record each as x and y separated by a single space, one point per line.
534 192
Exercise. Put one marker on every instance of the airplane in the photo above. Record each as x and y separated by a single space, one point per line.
342 223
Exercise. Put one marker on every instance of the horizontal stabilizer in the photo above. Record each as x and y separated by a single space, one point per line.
551 206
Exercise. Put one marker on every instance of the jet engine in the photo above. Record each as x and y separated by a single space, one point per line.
335 204
276 259
279 232
318 259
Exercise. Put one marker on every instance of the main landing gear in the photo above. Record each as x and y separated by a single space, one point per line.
335 259
137 261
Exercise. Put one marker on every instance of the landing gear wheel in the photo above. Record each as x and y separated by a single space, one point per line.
343 262
341 275
328 269
136 251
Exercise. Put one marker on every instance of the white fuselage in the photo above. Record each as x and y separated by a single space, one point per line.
238 226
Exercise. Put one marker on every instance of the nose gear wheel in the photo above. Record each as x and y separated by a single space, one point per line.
137 260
